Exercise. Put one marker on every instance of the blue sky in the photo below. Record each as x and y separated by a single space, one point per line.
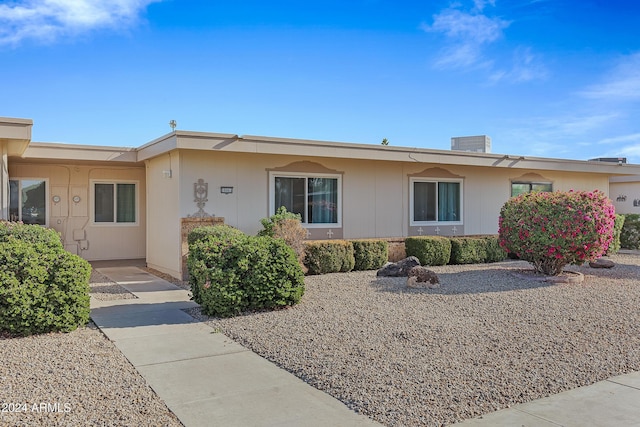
550 78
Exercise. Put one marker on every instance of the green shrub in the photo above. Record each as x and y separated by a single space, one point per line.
630 233
43 288
31 234
236 272
207 248
370 254
430 250
494 252
468 250
221 231
614 246
329 256
287 226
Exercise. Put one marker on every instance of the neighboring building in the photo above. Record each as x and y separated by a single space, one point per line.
118 203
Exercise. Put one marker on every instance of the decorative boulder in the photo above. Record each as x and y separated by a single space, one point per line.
400 268
601 263
421 277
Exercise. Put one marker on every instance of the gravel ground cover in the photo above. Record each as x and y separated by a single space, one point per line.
75 379
483 341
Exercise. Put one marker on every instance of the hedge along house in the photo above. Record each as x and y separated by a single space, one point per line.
117 203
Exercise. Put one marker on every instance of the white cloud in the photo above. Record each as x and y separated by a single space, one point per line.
47 20
468 34
634 137
467 28
621 84
526 67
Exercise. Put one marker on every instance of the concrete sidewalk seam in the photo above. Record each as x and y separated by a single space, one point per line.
622 384
537 416
193 358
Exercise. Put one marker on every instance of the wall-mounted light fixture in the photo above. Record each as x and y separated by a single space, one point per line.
76 199
226 190
56 199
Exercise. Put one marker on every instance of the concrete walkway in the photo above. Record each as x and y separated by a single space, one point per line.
205 378
611 403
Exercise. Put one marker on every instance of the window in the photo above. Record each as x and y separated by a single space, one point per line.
114 202
518 188
28 201
435 201
316 198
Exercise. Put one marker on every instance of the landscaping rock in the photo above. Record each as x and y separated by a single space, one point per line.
400 268
602 263
421 278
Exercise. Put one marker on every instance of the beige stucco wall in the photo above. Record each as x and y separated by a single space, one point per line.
164 200
375 193
73 220
625 193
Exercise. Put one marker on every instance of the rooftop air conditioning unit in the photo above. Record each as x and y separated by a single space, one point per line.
477 144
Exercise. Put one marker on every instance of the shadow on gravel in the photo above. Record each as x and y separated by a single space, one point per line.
466 282
500 277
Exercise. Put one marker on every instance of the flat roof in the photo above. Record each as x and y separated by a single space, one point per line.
225 142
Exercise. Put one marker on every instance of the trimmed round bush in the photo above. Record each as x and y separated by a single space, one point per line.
43 288
551 230
494 252
630 233
430 250
329 256
370 254
236 272
468 250
221 232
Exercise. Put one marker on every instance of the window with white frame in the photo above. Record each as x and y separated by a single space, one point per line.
114 202
28 201
435 201
315 197
518 188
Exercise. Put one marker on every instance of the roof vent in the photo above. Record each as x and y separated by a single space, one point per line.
477 144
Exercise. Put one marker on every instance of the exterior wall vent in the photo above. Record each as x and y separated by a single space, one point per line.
478 144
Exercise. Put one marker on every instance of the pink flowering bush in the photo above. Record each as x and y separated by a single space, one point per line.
551 230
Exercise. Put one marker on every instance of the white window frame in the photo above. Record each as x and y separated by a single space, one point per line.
272 195
413 180
47 205
115 223
530 183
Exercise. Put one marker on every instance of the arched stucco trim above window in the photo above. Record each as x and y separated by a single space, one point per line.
531 177
435 173
305 166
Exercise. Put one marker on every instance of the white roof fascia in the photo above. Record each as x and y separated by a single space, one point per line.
16 133
310 148
71 152
184 140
